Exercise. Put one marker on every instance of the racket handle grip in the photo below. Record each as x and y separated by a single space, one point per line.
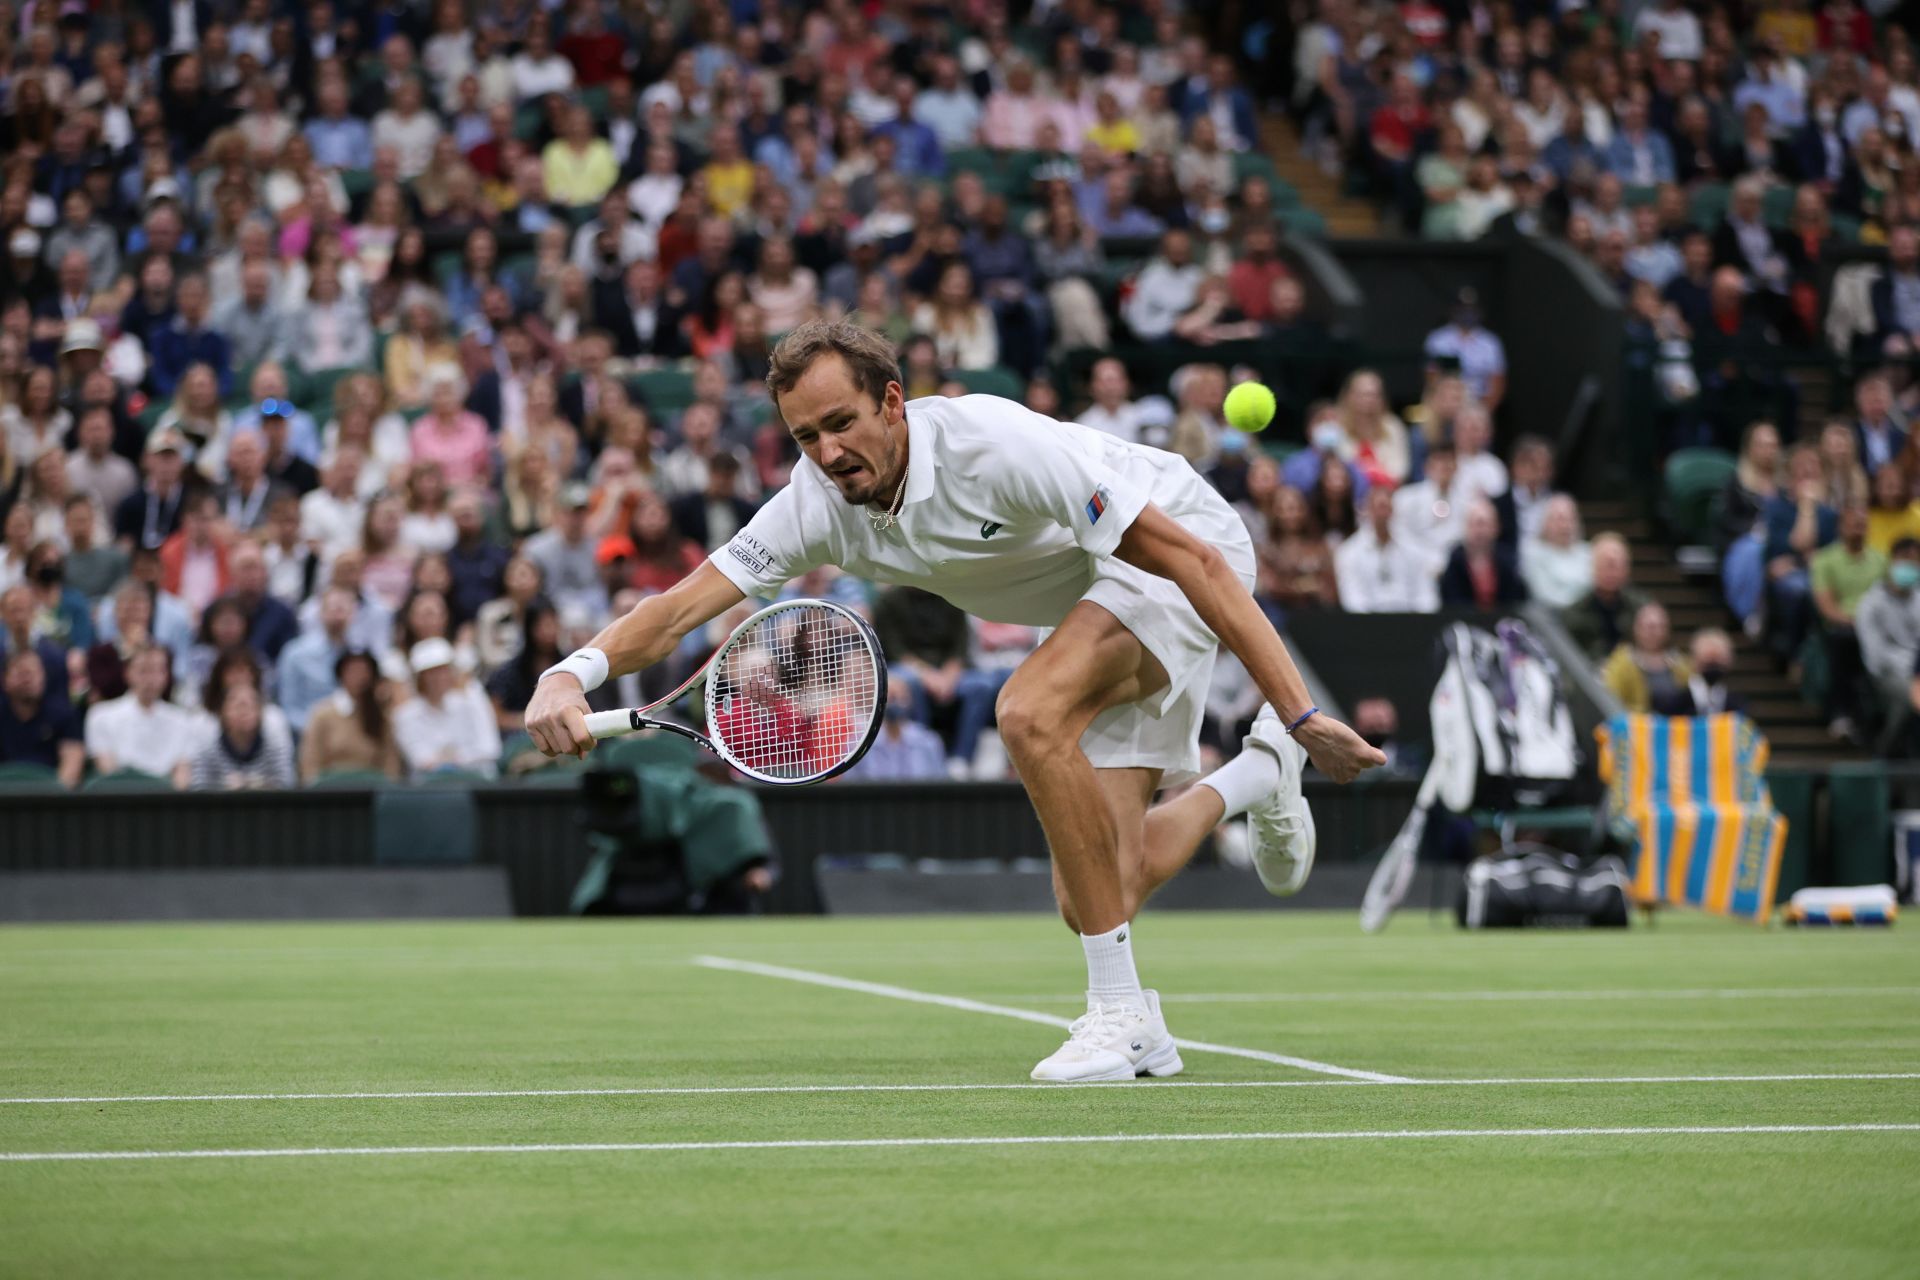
609 724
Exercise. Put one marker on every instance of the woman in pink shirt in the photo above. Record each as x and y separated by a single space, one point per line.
450 435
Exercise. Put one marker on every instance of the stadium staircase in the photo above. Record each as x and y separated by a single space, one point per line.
1346 217
1796 731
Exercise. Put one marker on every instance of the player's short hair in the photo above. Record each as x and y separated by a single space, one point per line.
870 357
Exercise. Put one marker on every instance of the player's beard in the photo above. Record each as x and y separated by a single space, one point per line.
877 482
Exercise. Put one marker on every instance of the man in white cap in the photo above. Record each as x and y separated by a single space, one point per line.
448 723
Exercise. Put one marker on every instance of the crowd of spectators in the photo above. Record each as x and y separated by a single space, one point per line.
1718 164
357 360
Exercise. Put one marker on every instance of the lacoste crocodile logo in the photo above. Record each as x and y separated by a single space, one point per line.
988 528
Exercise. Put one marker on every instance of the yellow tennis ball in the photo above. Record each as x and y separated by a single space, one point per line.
1250 407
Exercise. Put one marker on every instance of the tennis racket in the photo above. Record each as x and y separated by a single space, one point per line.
794 695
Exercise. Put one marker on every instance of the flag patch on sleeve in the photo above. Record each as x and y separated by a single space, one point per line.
1097 504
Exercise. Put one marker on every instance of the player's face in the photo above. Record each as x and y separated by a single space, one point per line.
857 442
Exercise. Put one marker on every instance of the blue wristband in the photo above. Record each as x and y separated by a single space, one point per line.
1305 716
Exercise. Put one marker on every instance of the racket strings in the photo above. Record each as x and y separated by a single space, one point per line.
793 696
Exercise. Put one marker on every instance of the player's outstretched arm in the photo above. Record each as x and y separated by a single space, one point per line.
557 715
1157 543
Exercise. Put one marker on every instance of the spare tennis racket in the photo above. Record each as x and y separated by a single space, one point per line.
794 695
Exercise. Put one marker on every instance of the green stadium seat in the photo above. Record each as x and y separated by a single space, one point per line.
240 394
663 390
994 381
125 781
1846 228
1635 196
321 385
1254 164
972 160
1303 222
594 99
1708 205
21 777
1776 206
1693 479
356 182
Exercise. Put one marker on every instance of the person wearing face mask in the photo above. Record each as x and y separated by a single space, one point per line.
904 750
60 613
1819 152
1888 625
1705 692
1326 438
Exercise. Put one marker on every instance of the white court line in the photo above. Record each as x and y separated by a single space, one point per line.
656 1091
1474 997
1025 1015
1044 1140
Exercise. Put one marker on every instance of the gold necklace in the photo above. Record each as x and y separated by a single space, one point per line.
884 520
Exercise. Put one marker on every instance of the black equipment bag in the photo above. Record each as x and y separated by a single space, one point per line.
1543 888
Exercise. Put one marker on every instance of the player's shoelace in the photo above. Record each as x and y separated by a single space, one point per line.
1100 1023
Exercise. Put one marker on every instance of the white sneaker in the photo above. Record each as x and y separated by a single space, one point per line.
1281 825
1113 1042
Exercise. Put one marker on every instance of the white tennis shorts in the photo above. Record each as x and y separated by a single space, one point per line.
1163 732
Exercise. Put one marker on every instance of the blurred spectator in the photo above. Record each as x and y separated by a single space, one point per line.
476 562
270 624
140 730
350 730
1754 483
1430 514
1165 289
1887 622
962 327
193 562
93 568
1522 502
1841 574
1113 410
1602 620
1796 524
1376 439
33 728
1295 564
1893 514
708 519
93 469
1377 573
1846 480
1644 668
61 615
306 664
241 755
535 647
1479 470
447 724
926 641
564 554
1377 721
1469 346
904 750
654 552
499 626
1556 562
1482 572
1705 693
685 470
1879 436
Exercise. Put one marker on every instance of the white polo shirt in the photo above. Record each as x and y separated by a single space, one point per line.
1006 513
151 739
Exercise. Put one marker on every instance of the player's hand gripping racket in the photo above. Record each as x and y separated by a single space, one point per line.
795 694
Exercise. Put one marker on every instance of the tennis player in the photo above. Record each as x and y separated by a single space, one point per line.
1138 565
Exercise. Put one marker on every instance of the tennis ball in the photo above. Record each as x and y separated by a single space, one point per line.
1249 407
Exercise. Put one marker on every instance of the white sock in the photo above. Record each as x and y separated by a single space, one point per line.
1110 975
1245 780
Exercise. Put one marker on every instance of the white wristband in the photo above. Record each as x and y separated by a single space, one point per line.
588 666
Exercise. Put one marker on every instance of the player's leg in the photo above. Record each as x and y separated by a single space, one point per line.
1154 840
1096 831
1090 663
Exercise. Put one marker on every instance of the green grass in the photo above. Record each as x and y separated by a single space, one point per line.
92 1012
